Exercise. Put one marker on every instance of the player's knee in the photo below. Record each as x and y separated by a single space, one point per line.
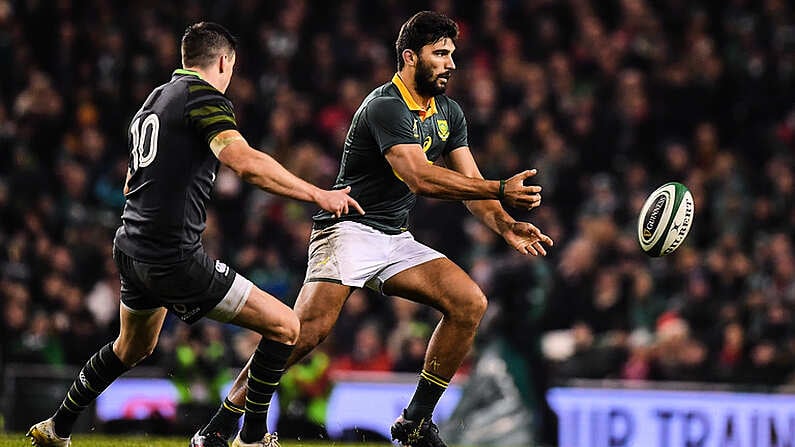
293 328
470 307
478 305
133 354
286 330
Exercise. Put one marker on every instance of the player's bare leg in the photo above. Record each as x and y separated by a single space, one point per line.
318 307
138 335
446 287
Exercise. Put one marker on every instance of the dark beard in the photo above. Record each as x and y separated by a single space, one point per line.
425 83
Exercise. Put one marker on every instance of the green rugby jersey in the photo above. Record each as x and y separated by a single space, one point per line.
389 116
172 168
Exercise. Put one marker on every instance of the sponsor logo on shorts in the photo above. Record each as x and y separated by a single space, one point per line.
184 312
187 315
221 267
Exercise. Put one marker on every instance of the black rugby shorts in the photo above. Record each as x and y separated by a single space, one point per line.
189 288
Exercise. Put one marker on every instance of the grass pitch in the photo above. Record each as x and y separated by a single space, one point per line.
87 440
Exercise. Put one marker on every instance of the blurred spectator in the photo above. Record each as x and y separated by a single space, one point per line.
353 316
732 354
198 363
368 352
38 343
408 338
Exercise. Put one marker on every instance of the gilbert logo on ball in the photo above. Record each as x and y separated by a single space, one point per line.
665 219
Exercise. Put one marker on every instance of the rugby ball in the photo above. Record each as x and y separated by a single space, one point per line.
665 219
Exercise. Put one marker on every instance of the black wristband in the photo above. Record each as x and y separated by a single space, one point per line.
501 193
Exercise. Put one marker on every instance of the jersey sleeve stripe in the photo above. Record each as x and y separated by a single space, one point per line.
200 101
199 117
203 116
207 122
209 110
200 97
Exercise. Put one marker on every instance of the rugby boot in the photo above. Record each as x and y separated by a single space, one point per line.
209 440
43 435
422 433
269 440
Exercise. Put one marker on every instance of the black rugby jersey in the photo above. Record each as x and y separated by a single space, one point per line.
172 168
389 116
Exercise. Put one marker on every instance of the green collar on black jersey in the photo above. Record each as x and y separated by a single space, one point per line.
184 71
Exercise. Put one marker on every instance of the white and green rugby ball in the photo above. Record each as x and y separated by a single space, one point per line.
665 219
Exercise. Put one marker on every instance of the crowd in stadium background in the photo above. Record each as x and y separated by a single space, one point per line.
608 100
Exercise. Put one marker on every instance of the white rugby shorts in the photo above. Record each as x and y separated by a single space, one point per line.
358 255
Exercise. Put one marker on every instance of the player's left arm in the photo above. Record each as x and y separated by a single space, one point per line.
212 117
525 237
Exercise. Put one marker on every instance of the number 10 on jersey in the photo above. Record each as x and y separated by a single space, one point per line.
144 141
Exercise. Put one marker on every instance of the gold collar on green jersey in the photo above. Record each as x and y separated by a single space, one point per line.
411 103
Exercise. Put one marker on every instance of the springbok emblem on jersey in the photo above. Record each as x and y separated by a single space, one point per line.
443 129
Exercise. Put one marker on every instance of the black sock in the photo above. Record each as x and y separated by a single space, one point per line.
429 391
266 370
99 372
225 420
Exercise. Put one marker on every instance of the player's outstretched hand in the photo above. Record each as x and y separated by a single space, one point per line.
517 195
527 239
338 202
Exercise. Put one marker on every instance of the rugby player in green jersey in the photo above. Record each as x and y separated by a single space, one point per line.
398 131
177 140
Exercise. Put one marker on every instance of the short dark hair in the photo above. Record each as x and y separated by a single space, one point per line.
423 28
205 41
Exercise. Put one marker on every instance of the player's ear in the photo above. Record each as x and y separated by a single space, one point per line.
409 57
225 62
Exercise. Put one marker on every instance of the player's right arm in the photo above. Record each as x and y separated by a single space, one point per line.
425 179
393 128
260 169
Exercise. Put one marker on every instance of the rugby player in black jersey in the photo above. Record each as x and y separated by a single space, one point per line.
176 141
400 129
